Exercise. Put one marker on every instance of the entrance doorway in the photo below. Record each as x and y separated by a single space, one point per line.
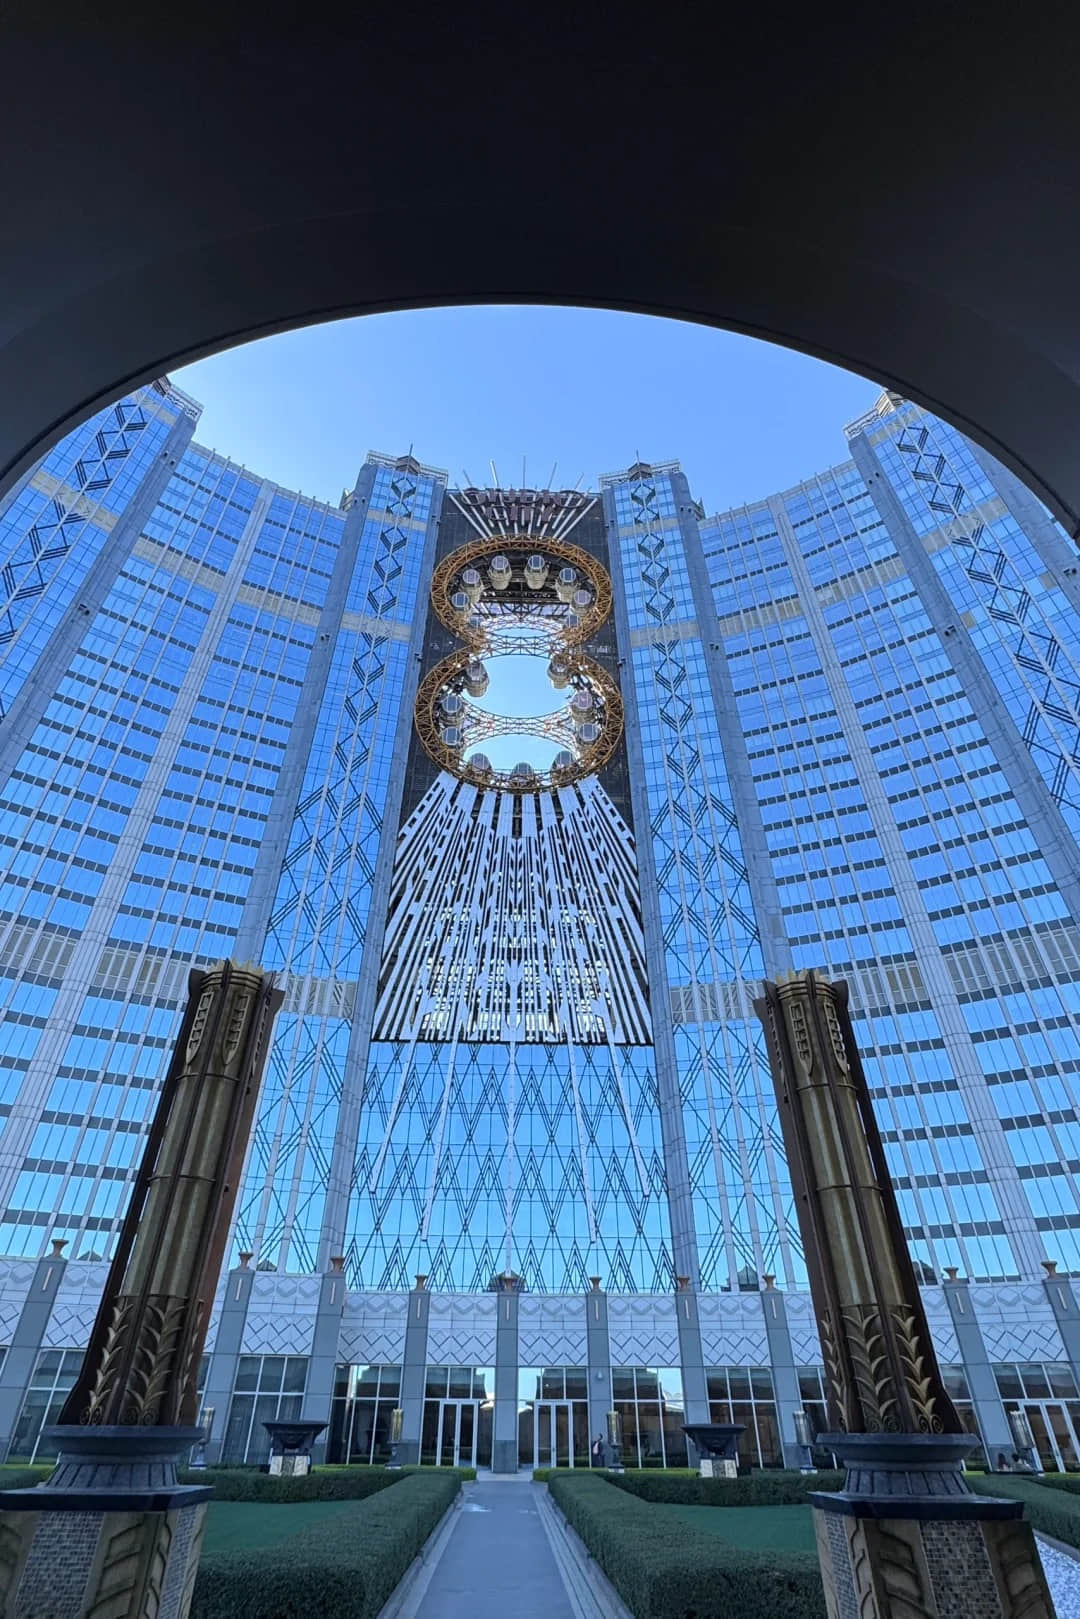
1046 1393
560 1431
1053 1433
459 1422
458 1412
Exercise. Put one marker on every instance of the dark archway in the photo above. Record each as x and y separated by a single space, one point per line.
902 203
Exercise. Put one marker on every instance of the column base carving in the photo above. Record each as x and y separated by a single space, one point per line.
110 1533
911 1568
907 1538
114 1565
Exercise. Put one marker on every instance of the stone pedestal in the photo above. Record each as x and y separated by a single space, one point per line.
718 1467
717 1446
110 1534
907 1539
290 1445
282 1466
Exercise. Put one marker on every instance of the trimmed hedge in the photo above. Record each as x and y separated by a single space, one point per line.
250 1484
23 1478
765 1487
236 1484
343 1567
463 1473
331 1484
693 1575
1053 1511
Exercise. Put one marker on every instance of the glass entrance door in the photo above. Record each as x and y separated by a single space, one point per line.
457 1433
1053 1433
553 1433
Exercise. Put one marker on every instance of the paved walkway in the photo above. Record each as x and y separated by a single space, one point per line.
1062 1570
498 1559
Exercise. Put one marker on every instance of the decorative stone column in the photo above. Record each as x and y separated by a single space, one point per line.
27 1339
785 1374
1062 1299
504 1446
598 1355
905 1538
323 1360
982 1384
225 1357
691 1357
112 1532
413 1372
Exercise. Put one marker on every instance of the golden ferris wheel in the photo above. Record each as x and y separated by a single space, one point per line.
500 595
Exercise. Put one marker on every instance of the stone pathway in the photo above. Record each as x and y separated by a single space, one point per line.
497 1561
1063 1577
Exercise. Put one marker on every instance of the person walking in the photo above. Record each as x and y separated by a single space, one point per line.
596 1455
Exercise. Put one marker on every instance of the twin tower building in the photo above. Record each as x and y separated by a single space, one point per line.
516 1160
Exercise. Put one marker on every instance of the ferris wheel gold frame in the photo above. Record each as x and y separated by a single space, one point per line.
554 550
593 757
582 671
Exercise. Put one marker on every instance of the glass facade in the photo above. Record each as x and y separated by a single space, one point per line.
650 1405
711 956
268 1388
361 1414
51 1382
744 1394
318 923
434 1197
851 740
459 1403
553 1417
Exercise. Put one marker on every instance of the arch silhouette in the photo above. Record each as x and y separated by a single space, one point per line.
904 207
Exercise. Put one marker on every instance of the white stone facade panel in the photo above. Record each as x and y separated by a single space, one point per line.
461 1329
940 1322
642 1330
802 1328
1017 1322
551 1330
75 1309
215 1314
281 1315
16 1280
732 1329
373 1329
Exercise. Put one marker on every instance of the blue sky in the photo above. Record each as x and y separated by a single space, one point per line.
585 390
588 390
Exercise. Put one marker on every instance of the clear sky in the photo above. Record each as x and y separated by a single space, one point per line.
589 390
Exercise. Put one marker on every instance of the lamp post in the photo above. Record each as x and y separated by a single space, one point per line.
614 1434
1024 1440
206 1423
804 1438
397 1418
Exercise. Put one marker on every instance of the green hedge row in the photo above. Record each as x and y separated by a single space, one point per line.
249 1484
329 1484
1053 1511
691 1575
234 1484
463 1473
765 1487
342 1567
23 1478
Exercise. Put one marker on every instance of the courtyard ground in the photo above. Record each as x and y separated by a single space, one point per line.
244 1525
753 1528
